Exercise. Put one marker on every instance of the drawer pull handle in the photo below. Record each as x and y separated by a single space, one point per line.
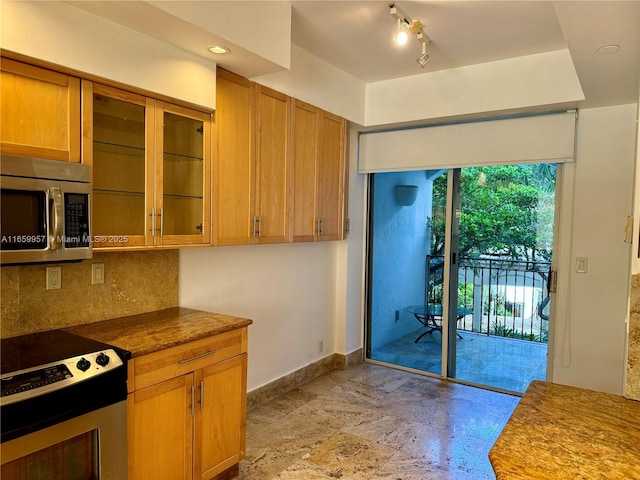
187 360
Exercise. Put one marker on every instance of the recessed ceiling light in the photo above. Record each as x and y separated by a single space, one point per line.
608 49
219 49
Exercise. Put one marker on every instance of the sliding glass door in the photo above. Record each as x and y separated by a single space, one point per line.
401 330
459 262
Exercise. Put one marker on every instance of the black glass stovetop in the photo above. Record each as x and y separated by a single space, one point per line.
27 351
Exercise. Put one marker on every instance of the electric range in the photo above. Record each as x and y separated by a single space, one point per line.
49 377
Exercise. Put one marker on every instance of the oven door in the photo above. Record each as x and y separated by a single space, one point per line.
89 447
31 220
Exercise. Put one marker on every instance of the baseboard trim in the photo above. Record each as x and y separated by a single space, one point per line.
274 389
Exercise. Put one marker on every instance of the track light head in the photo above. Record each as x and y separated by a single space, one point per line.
424 58
400 36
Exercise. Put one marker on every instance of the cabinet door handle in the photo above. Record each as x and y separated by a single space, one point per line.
187 360
161 214
255 220
201 394
322 226
153 222
193 399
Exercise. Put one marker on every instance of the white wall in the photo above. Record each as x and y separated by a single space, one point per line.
288 291
350 255
65 35
589 334
530 81
635 256
319 83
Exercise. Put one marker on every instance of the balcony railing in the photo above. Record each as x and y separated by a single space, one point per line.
508 298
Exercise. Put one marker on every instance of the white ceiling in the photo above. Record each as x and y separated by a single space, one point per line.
356 37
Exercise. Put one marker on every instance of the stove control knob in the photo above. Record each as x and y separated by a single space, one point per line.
83 364
102 360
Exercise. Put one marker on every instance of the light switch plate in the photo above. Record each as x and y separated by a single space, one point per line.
582 264
97 273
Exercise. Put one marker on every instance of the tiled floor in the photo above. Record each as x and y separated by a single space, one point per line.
490 360
371 422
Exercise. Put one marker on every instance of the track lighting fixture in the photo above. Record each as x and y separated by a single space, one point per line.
406 24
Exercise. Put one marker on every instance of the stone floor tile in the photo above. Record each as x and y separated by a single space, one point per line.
350 456
371 422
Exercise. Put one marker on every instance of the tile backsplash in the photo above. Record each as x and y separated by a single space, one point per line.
134 282
633 345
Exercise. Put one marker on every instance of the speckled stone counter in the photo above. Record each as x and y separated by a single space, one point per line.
154 331
559 432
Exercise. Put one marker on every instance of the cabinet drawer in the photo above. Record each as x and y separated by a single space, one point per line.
172 362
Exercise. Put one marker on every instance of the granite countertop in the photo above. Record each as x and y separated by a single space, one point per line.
559 432
154 331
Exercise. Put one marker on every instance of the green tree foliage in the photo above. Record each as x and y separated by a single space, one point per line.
505 211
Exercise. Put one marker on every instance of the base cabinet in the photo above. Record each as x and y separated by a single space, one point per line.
219 419
160 430
192 425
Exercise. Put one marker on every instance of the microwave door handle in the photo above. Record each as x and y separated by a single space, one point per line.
56 217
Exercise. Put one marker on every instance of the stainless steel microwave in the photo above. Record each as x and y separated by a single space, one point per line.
44 210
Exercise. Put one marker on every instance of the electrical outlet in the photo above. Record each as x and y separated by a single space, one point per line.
320 346
54 278
97 273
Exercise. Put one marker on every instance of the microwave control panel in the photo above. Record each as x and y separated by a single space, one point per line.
76 220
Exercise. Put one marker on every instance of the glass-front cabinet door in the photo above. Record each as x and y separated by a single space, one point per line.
121 152
183 189
151 170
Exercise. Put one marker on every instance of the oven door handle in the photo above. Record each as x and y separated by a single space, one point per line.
187 360
55 196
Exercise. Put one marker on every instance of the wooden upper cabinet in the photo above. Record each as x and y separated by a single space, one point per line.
304 154
233 165
273 171
318 153
117 145
183 175
280 167
331 177
39 112
151 170
251 168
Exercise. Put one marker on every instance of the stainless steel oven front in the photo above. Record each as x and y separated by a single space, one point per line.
89 447
63 408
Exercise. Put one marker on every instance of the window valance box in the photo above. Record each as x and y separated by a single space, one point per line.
545 138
